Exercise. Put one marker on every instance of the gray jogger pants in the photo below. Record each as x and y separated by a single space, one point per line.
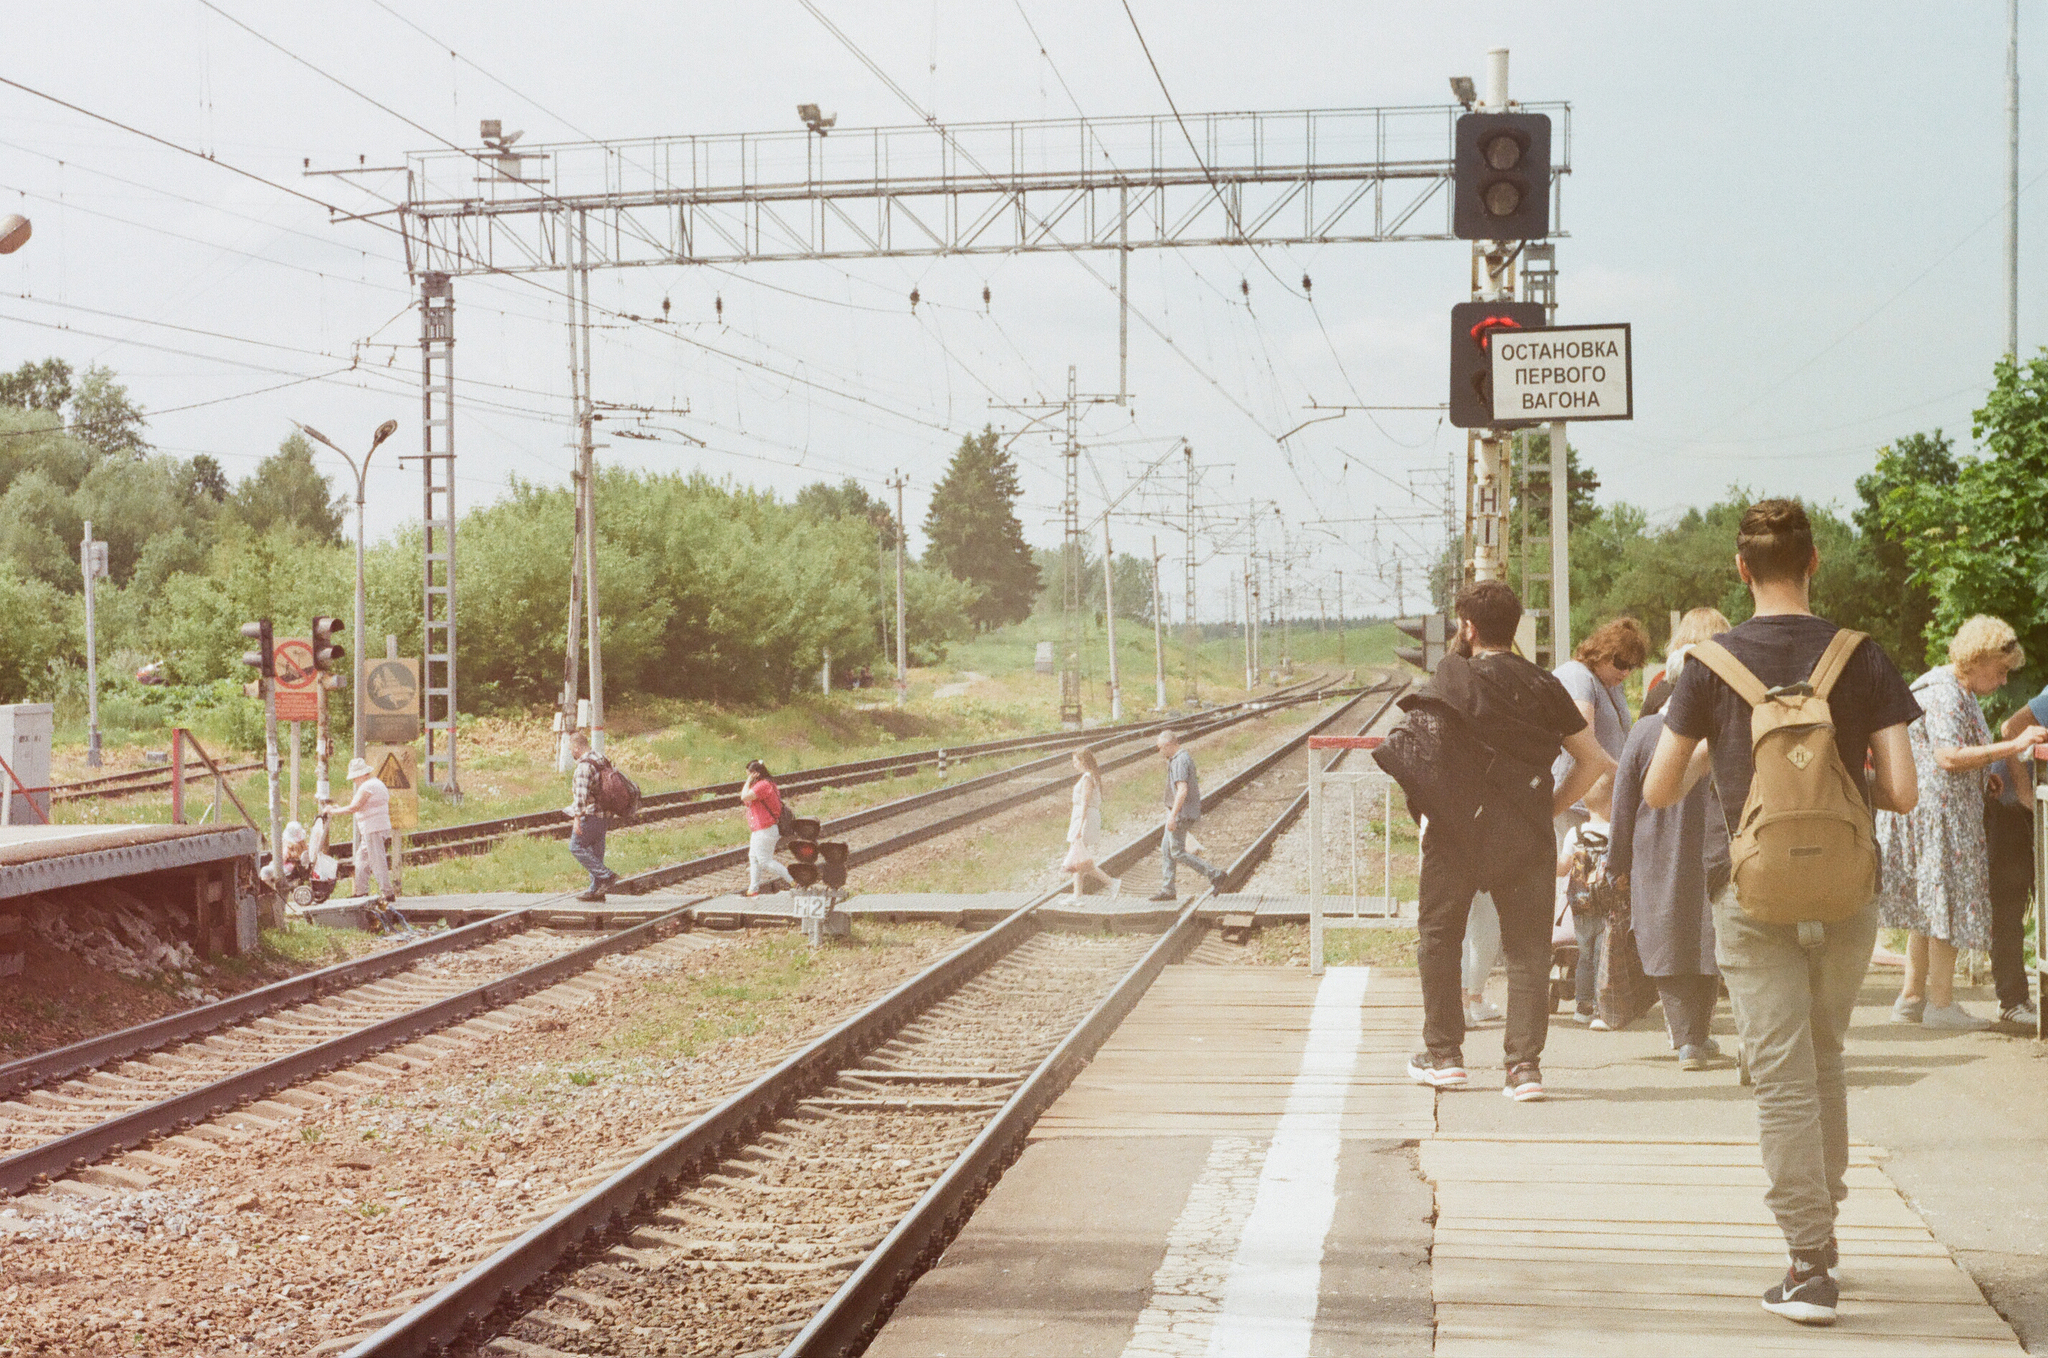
1792 1007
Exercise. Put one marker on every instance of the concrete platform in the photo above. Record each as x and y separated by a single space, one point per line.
1234 1169
37 858
185 875
1245 1170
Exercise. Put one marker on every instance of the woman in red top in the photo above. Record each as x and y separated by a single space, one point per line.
763 801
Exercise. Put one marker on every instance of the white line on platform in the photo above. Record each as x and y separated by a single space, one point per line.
1272 1231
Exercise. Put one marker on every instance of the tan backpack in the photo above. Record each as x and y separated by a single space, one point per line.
1806 846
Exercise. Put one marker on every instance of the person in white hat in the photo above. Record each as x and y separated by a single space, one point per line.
371 806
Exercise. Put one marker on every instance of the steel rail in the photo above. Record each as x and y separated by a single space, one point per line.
1299 806
20 1171
443 1318
44 1068
56 1156
447 841
656 878
845 1324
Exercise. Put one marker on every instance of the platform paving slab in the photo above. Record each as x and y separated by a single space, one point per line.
1218 1178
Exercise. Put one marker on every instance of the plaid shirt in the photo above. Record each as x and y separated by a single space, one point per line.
584 800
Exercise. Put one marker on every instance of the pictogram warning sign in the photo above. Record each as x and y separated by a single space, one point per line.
398 769
298 692
390 701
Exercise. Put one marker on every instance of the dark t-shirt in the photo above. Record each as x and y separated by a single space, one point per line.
1782 649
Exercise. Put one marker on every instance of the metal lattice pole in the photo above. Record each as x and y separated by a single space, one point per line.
437 485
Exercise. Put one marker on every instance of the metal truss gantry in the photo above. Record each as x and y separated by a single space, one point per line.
1311 176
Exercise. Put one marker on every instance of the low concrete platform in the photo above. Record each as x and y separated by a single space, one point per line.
1234 1172
36 858
1245 1171
188 875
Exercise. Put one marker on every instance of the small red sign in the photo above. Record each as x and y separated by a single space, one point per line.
298 683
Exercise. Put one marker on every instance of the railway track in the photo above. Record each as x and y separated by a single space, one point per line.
791 1217
475 837
74 1107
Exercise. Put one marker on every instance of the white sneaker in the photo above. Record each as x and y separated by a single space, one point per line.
1479 1011
1908 1009
1953 1017
2022 1013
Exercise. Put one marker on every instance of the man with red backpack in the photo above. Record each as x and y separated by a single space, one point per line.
588 818
1788 706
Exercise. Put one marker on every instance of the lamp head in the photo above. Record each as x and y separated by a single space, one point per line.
384 431
310 432
1464 91
14 232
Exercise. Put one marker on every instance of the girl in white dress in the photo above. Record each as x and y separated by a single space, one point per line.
1084 827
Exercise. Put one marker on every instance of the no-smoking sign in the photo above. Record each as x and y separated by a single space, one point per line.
298 683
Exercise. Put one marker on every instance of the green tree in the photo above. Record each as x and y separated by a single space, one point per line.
104 418
34 630
288 491
974 533
40 531
1976 542
37 386
1915 460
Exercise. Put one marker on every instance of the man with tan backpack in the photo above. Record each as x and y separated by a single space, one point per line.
1789 707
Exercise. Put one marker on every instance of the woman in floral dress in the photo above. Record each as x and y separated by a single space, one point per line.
1936 880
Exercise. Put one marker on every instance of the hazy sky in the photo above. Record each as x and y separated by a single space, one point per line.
1798 206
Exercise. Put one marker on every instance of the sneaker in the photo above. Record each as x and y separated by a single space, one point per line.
1908 1009
1438 1072
1478 1012
1954 1018
1806 1297
1524 1083
1695 1056
594 894
1598 1024
2024 1013
1163 896
1220 880
1584 1015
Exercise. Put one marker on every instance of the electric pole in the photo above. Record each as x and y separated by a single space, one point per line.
1158 631
1194 641
902 646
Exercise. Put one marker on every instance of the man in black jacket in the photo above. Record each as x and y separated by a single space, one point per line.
1505 720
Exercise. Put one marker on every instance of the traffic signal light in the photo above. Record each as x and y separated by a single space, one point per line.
805 866
1431 633
326 654
264 659
832 864
1473 325
1500 177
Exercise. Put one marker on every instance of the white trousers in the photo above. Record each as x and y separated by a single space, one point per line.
761 861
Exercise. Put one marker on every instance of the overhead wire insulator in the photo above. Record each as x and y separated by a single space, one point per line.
664 308
1244 286
984 296
1306 285
913 300
718 303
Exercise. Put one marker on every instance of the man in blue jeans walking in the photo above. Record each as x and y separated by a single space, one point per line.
1183 809
587 821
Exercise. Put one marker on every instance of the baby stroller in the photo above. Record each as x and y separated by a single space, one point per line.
1580 889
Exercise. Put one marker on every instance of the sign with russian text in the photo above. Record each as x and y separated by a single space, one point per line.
298 694
1566 372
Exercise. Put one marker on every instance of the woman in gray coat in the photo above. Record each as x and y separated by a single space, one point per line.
1672 863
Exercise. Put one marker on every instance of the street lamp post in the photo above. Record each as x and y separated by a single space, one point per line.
384 431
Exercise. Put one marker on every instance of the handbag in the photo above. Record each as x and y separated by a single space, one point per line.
1625 992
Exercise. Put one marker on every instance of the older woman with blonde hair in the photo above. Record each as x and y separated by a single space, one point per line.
1695 627
1936 881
